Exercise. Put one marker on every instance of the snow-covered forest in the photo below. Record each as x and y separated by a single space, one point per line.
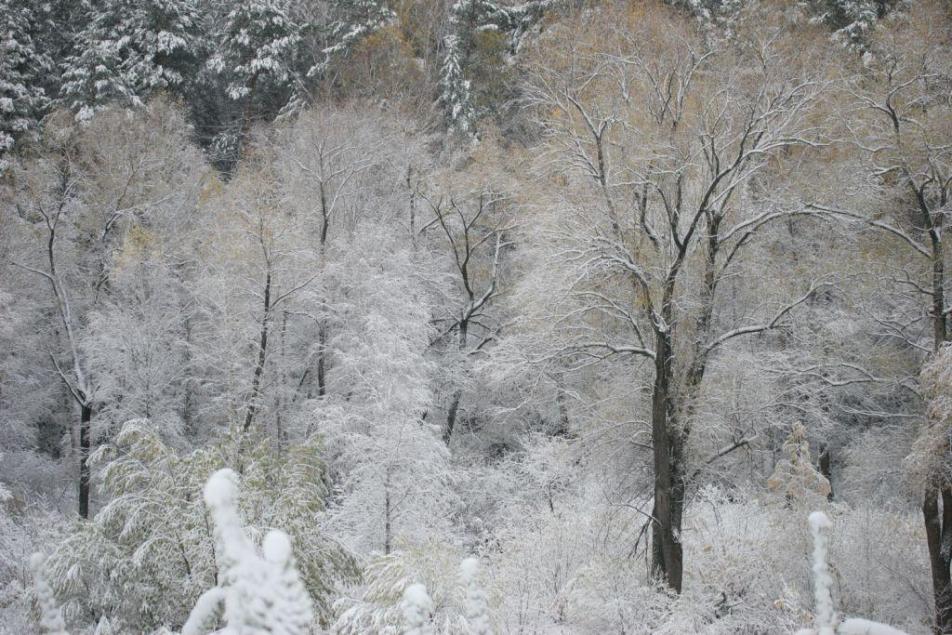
473 317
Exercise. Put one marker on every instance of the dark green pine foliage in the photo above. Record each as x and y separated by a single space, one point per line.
128 50
466 18
852 20
256 63
24 65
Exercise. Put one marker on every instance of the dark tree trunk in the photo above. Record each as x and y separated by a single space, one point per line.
938 527
826 468
452 413
451 416
667 558
937 502
247 112
86 415
560 401
321 368
262 357
387 527
187 384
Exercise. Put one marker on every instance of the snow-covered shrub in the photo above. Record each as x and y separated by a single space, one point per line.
415 591
51 617
379 607
148 554
576 567
25 528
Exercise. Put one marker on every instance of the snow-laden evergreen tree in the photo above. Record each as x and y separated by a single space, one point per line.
294 613
23 66
794 476
466 19
852 21
51 617
516 20
716 17
417 607
356 19
258 46
255 57
455 94
256 595
350 22
128 50
104 627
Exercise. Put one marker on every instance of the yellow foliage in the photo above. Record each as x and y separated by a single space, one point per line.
137 245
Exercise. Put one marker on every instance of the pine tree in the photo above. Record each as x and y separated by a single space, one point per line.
350 23
466 18
852 21
356 20
104 627
23 64
256 58
455 94
795 476
129 50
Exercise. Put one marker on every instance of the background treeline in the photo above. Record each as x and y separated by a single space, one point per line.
608 294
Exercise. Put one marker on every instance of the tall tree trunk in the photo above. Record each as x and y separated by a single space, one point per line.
452 413
86 415
387 526
245 124
187 384
451 416
560 401
262 356
667 558
826 467
938 527
321 355
938 518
